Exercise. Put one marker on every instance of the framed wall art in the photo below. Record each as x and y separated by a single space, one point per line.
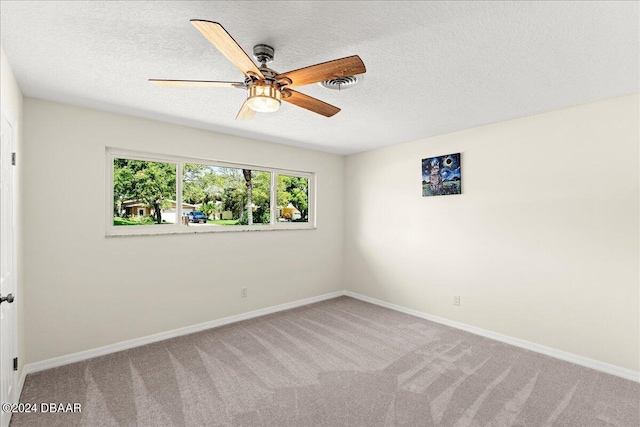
441 175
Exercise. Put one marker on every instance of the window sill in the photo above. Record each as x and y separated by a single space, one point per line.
155 230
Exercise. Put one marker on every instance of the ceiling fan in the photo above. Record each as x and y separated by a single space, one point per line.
265 87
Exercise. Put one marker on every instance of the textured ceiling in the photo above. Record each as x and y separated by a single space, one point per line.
432 67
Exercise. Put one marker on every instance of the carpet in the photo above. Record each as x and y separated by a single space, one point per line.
340 362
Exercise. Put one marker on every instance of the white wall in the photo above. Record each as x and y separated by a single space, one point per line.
542 245
84 290
12 100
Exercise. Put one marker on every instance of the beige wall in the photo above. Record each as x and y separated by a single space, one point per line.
85 290
12 103
542 245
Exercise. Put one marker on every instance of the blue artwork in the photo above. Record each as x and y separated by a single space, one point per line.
441 175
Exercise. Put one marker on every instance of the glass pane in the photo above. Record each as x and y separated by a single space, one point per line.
292 204
217 196
144 192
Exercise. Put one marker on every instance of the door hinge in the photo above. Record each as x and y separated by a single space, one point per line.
13 158
15 363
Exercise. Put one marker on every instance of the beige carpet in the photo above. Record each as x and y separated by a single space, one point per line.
335 363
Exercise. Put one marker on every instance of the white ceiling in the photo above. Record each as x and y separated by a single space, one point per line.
432 67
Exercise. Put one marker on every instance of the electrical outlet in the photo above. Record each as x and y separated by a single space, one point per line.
456 300
243 292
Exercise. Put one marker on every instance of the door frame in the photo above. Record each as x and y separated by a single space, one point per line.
16 386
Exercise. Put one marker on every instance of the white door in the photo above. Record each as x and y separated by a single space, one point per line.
8 324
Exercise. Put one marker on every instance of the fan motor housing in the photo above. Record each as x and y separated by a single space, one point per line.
268 73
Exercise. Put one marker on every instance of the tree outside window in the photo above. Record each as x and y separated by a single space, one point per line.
142 186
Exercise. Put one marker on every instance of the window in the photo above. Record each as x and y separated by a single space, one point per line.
292 198
143 192
150 194
226 196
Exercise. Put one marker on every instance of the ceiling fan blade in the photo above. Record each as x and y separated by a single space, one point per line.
337 68
219 37
195 83
245 112
310 103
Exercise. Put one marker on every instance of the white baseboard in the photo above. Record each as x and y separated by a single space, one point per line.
548 351
19 386
23 376
112 348
538 348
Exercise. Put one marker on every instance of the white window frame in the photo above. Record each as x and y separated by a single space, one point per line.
178 228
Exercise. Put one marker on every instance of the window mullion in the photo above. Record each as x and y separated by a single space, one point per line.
179 194
272 204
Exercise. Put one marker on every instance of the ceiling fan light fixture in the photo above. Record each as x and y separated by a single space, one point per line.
265 87
264 98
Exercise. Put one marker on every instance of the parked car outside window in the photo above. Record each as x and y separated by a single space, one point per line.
197 216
